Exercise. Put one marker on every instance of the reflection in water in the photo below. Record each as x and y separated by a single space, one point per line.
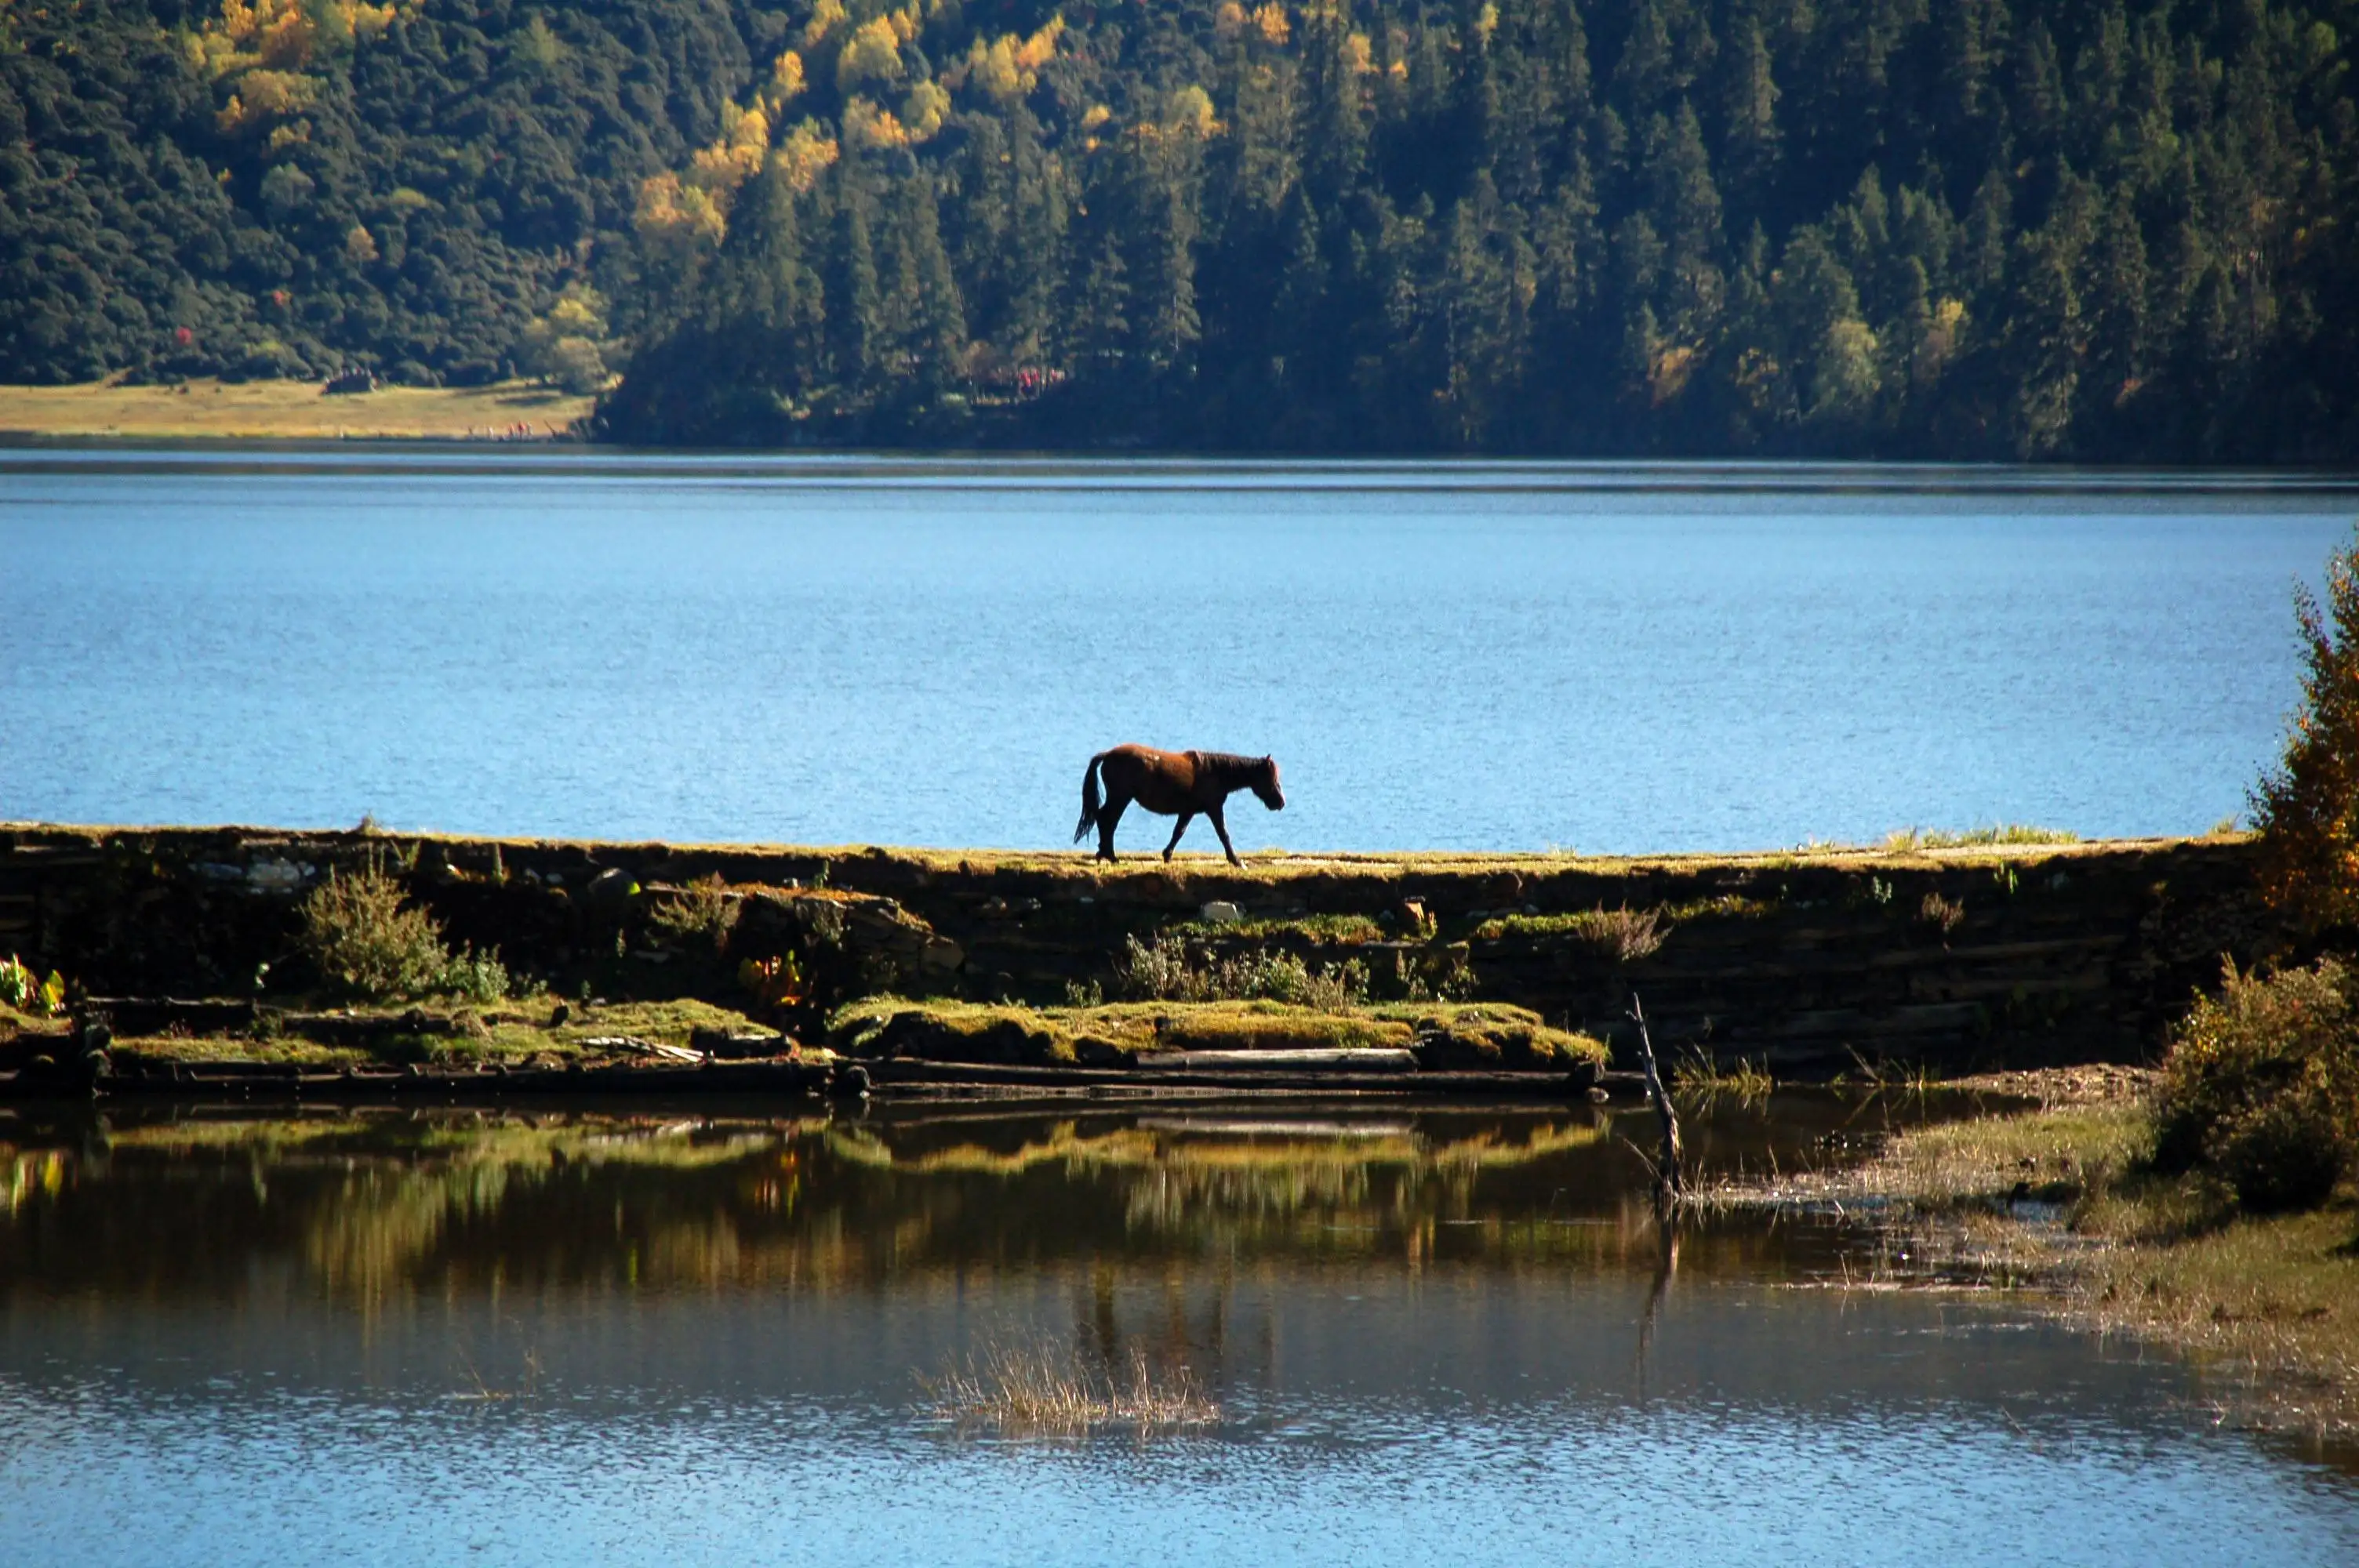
376 1204
1466 1324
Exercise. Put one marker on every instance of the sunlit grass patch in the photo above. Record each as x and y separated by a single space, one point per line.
509 1033
1493 1034
209 409
1903 839
1324 930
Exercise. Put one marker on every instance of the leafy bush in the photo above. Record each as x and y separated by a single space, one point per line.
703 911
2262 1087
26 991
478 977
365 942
2306 810
1166 971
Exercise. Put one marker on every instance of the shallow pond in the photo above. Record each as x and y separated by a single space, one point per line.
1441 656
1432 1335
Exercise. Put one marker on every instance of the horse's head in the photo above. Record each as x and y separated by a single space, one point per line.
1265 784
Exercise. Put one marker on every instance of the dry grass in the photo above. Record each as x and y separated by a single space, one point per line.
286 410
1622 933
1907 839
1034 1391
702 913
2061 1201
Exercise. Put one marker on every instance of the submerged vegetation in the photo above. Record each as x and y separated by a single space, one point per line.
2035 229
1038 1390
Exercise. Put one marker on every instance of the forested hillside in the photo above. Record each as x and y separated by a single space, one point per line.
1959 228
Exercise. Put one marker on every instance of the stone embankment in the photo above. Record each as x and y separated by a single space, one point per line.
1812 964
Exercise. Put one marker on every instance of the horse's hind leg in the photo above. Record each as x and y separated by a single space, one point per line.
1220 827
1108 815
1185 818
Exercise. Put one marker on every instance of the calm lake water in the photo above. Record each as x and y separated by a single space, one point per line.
1508 656
1433 1336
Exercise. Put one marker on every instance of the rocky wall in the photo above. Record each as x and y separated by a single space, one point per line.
1813 963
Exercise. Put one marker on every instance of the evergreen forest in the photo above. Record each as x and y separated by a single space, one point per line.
2065 230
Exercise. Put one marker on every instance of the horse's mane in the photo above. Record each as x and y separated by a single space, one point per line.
1229 761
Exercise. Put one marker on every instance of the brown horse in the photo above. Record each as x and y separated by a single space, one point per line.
1169 781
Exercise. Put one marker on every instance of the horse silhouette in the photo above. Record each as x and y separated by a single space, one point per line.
1166 782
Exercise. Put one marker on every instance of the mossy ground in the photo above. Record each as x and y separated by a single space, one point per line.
2060 1200
1064 1034
511 1033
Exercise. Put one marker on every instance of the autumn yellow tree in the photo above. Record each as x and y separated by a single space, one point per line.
2307 809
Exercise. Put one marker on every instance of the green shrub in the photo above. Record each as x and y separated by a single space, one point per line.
366 943
478 977
2262 1087
700 912
26 991
1166 971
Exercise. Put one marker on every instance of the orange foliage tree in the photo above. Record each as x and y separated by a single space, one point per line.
2307 809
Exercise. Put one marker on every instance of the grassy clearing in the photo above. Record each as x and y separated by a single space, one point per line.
286 410
1034 1391
1493 1034
2062 1200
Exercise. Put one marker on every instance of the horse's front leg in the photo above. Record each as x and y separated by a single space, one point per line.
1185 818
1108 815
1221 827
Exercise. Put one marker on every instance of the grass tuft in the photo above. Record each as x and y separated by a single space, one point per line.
1703 1079
1623 934
1903 839
1033 1391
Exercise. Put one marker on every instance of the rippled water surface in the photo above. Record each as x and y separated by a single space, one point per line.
1434 1337
1444 657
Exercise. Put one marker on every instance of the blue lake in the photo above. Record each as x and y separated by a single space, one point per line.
1500 656
1448 1338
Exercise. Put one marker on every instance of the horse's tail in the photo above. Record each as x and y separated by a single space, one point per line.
1089 800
